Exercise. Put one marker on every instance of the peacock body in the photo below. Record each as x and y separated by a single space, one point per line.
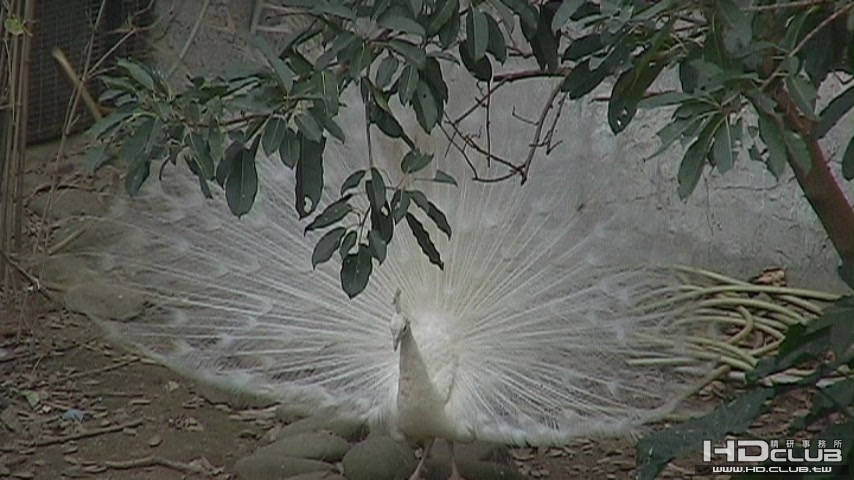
541 327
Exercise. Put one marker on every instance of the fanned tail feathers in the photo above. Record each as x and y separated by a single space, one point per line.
536 331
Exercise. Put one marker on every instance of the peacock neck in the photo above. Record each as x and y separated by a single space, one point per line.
413 370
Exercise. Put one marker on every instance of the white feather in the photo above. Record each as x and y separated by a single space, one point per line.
525 337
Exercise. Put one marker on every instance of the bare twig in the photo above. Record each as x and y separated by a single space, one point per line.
96 371
154 461
830 18
535 144
87 433
781 6
189 40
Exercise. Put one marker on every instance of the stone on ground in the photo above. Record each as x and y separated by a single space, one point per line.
315 446
276 467
378 458
350 430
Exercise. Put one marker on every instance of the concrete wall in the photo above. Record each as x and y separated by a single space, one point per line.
738 223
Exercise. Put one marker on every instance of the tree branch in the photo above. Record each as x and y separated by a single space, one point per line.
819 185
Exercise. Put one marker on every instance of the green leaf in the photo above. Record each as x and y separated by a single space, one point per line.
425 107
834 110
481 69
201 155
336 9
414 161
134 147
543 41
445 10
386 70
416 6
387 123
581 80
803 93
431 210
234 150
377 245
631 85
497 45
664 99
723 151
477 34
450 31
738 31
771 135
582 47
136 175
355 271
352 181
433 76
241 186
284 75
694 161
691 110
401 24
347 243
424 241
564 12
655 451
95 157
360 57
375 188
797 148
309 176
289 148
329 90
274 134
413 54
308 127
399 205
848 161
325 120
137 73
382 224
326 246
527 14
216 141
407 83
341 46
331 214
672 132
442 177
108 123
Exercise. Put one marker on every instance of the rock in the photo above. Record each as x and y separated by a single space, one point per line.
350 430
63 273
105 301
316 446
475 451
234 398
440 469
318 476
378 458
289 413
267 467
67 202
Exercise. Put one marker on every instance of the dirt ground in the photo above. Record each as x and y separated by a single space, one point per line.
75 406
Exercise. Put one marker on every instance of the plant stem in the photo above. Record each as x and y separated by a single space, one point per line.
819 185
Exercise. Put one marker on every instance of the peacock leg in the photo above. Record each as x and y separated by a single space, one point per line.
455 474
416 475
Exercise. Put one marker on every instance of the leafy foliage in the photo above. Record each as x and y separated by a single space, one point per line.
826 342
748 75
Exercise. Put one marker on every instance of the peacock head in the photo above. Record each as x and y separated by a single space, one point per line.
399 323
